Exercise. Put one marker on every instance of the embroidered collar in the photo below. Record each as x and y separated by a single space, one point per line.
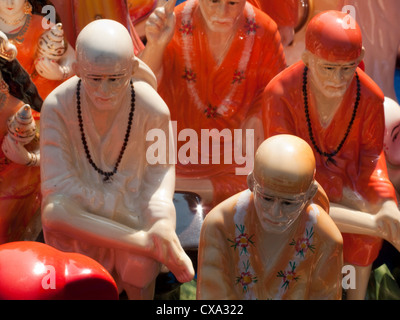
247 277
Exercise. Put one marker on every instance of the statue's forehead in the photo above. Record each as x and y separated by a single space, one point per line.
98 62
321 61
116 69
210 3
102 57
282 193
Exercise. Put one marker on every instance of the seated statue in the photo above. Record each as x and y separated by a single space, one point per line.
213 59
102 196
274 240
328 101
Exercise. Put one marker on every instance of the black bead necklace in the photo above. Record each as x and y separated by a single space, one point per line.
329 156
107 175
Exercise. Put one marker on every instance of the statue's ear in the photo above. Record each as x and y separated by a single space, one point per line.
75 69
135 65
143 72
250 181
361 57
306 57
312 191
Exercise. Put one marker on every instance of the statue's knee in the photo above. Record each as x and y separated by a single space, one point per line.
57 207
50 207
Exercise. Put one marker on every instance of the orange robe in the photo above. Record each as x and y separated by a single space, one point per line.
76 14
284 13
19 186
232 262
26 40
360 162
202 95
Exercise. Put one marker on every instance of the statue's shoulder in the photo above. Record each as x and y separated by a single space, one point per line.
325 228
62 96
370 87
287 81
238 204
149 100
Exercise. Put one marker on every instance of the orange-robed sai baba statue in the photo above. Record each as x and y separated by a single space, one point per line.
213 59
333 105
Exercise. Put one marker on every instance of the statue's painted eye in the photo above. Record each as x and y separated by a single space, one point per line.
269 199
395 136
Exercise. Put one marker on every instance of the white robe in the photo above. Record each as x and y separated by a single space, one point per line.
139 192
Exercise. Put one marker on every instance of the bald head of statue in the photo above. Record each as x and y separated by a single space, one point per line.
105 62
282 181
104 42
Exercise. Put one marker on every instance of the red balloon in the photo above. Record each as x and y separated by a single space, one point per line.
36 271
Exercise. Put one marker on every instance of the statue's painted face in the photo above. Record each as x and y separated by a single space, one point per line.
105 63
332 79
282 181
106 84
392 144
277 212
221 15
11 8
392 132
